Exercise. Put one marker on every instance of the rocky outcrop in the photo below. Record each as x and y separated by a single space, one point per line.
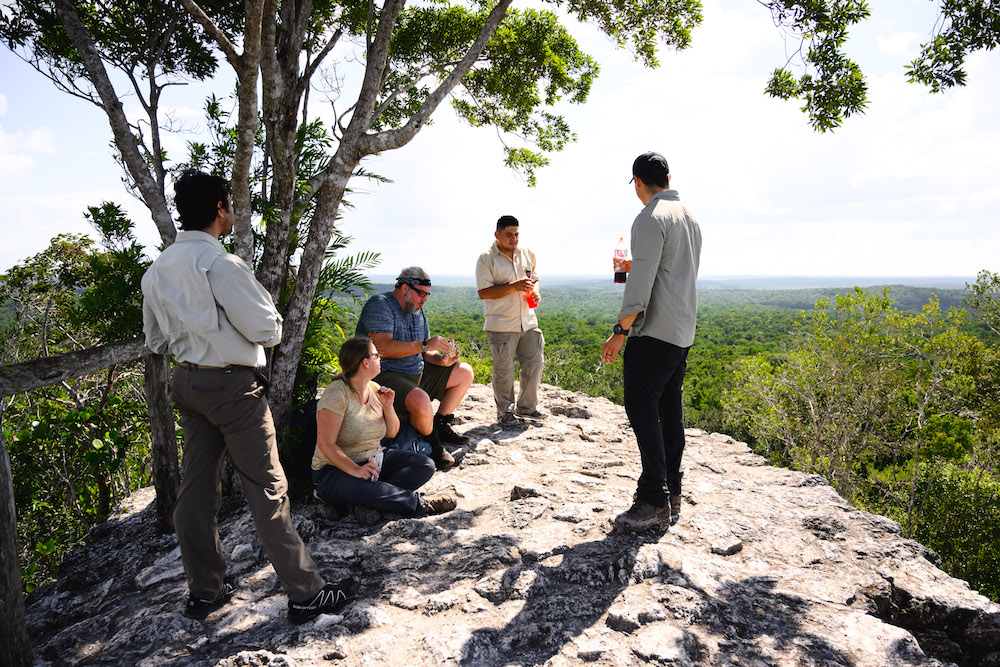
765 567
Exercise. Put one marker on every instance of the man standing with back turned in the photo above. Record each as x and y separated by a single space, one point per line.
507 284
659 310
205 307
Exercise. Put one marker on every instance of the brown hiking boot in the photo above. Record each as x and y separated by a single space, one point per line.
439 503
675 508
642 516
443 460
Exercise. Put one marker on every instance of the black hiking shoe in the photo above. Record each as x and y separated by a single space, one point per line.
508 419
198 608
447 436
643 516
330 599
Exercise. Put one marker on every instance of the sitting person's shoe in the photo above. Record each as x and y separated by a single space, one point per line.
533 414
198 608
675 508
508 419
442 457
447 436
443 460
437 504
330 599
642 516
364 516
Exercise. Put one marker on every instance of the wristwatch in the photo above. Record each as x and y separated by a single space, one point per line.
425 347
619 330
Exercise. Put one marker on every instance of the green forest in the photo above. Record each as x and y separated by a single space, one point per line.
889 393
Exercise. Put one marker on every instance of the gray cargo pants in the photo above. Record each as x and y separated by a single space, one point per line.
527 347
225 410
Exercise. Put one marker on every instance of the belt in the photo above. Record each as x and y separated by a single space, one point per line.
259 372
201 367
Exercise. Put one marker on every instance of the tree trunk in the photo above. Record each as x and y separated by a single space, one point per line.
138 169
15 648
246 67
166 477
286 356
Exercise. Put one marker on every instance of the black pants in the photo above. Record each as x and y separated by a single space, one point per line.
654 384
394 490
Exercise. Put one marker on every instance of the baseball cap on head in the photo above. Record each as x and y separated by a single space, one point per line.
651 168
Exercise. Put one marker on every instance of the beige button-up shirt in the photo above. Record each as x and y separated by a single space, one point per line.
205 306
510 312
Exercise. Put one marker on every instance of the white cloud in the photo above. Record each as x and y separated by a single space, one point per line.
904 44
19 150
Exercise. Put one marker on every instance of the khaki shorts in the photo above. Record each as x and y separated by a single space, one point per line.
433 380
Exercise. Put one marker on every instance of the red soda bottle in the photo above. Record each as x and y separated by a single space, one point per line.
621 254
530 296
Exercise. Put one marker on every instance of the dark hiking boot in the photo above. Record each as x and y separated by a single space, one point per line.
198 608
675 508
643 516
508 419
443 460
438 503
534 415
364 516
330 599
447 436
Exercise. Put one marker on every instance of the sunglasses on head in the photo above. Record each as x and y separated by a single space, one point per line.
413 282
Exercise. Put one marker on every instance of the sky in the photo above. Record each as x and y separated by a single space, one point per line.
910 188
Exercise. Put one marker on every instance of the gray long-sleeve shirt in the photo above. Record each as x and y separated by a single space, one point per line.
666 250
206 307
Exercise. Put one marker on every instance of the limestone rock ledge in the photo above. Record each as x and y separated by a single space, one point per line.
765 567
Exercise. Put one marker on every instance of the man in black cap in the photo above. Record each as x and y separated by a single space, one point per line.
658 315
417 366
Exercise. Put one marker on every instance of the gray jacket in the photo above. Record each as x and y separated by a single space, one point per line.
666 250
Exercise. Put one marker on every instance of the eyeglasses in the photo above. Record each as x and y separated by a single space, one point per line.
423 294
374 355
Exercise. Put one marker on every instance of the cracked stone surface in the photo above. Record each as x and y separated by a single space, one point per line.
765 567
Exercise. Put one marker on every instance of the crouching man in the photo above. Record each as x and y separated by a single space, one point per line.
419 367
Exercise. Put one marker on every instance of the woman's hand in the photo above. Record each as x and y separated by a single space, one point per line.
367 470
386 396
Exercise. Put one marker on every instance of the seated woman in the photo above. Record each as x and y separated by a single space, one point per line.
350 467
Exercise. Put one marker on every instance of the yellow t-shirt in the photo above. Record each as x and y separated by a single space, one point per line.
363 426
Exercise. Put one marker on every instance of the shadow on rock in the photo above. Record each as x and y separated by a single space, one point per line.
564 593
755 625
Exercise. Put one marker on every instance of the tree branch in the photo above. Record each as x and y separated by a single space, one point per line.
214 32
124 140
400 137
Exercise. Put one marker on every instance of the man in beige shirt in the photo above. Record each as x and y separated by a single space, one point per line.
508 286
205 307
